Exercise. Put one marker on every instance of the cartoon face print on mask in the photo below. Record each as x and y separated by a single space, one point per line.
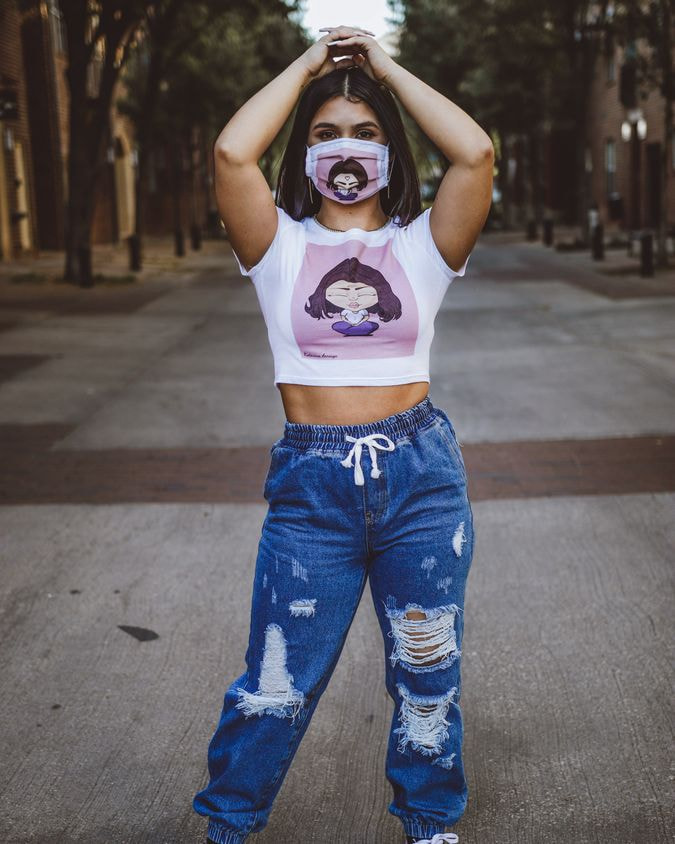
348 169
346 178
355 291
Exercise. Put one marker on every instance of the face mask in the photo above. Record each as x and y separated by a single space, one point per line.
348 169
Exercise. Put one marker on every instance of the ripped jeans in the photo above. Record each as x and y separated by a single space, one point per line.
384 501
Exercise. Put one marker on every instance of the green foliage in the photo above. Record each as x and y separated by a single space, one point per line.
511 64
650 24
216 55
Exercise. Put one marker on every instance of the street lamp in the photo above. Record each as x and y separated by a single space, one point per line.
634 130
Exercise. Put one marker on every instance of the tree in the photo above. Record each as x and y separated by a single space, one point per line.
195 65
99 36
493 59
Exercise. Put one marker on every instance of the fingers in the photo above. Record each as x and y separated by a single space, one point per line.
343 63
331 29
355 42
345 32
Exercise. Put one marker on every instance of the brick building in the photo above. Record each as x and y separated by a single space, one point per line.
18 221
623 152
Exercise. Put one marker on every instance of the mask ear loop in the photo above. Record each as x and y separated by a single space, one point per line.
391 170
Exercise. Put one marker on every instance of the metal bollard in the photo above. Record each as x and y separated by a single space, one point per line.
598 239
196 236
548 232
178 243
134 253
646 254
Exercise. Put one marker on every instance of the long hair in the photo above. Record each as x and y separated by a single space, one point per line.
352 83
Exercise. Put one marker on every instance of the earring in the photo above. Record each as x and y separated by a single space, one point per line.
311 196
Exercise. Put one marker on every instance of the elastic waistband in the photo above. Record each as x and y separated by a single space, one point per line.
301 435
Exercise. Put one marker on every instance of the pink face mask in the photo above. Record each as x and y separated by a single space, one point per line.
348 169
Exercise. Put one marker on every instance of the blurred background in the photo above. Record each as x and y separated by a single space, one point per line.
137 410
109 111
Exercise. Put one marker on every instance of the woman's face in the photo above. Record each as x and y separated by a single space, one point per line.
341 118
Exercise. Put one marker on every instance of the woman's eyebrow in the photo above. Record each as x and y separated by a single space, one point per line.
355 126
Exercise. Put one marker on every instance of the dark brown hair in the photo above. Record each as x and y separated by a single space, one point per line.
353 83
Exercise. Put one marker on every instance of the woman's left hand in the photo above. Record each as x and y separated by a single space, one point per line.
365 52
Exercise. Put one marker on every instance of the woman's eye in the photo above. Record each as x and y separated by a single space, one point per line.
367 133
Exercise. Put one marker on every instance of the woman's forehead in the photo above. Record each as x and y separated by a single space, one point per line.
344 113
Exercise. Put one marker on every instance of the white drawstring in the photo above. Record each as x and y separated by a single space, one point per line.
439 838
355 453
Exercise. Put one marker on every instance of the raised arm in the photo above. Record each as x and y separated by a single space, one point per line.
463 199
244 198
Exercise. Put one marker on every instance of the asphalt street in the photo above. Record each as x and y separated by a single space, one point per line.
136 423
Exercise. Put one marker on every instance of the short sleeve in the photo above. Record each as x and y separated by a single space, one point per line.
418 234
273 255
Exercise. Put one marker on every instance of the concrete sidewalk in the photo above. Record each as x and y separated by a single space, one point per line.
136 422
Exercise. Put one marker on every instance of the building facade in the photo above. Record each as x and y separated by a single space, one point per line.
18 220
623 152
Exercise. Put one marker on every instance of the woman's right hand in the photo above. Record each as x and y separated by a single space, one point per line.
319 58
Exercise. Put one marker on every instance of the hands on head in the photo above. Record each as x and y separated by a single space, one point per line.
358 47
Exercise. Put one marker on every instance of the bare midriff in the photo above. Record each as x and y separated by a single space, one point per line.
313 405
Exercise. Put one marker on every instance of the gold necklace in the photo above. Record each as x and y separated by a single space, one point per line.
331 229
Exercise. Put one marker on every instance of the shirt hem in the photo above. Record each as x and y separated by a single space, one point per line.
350 382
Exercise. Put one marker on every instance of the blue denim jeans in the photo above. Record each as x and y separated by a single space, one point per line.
386 502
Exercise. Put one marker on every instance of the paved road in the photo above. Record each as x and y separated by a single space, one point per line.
135 428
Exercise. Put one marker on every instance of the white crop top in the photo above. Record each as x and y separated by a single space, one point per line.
350 308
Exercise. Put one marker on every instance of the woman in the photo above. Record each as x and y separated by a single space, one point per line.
349 275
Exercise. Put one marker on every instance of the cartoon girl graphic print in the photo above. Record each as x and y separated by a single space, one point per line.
355 291
350 290
346 178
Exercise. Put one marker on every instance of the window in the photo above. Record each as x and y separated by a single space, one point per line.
610 165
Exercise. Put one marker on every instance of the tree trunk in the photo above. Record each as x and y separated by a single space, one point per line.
581 55
88 122
536 206
503 178
144 139
177 189
666 150
84 150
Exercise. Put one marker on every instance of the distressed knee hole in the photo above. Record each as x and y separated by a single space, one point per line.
423 720
303 607
276 694
421 635
424 639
